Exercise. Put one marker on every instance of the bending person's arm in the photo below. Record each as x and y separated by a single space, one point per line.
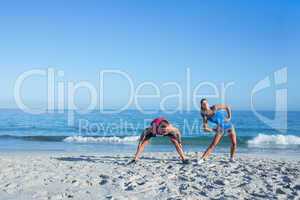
144 140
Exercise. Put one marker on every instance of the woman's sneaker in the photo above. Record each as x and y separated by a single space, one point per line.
200 161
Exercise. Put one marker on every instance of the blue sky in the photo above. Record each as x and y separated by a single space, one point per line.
220 41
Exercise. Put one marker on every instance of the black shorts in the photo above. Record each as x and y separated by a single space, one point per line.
148 135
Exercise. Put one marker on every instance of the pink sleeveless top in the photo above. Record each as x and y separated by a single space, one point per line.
157 122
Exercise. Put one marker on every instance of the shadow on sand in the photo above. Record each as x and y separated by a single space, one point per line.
112 159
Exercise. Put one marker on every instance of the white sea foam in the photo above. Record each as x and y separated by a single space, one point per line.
263 139
113 139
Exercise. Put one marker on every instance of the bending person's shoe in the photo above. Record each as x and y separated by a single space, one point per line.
186 161
133 161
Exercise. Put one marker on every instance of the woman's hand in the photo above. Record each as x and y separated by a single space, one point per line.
227 119
207 129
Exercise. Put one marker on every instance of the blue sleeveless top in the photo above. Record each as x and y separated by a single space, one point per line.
219 118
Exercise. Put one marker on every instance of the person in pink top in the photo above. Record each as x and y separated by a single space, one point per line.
160 127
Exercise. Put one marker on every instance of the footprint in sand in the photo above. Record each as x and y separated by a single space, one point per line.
174 198
129 186
286 179
183 188
235 172
89 183
280 191
169 167
75 182
109 197
140 181
164 189
183 178
297 187
103 176
104 179
220 182
103 182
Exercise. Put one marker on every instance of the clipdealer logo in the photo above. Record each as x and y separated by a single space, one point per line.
280 79
61 94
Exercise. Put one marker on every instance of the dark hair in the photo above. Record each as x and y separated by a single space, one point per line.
202 100
164 120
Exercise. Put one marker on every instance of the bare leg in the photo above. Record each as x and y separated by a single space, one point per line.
140 148
232 136
178 147
212 146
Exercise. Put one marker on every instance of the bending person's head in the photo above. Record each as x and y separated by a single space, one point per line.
204 104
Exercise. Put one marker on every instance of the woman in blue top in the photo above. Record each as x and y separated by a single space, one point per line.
219 114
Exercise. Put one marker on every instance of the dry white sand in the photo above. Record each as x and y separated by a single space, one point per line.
155 176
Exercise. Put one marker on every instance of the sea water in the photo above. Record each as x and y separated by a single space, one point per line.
119 132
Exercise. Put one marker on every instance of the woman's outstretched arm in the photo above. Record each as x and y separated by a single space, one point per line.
205 124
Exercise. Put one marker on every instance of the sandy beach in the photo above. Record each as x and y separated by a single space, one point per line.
49 175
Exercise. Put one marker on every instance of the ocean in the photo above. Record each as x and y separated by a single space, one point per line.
99 132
